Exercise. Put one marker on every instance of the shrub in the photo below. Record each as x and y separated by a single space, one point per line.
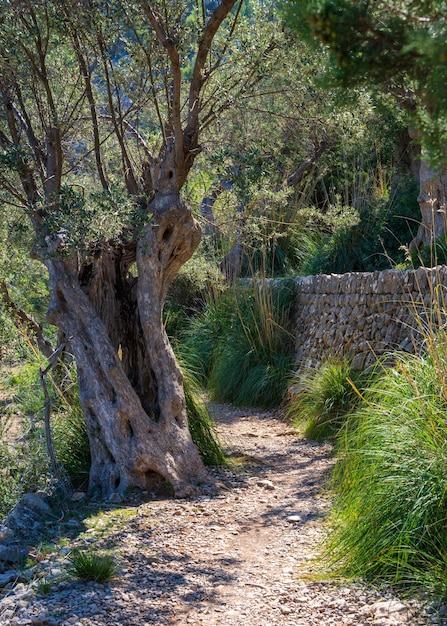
242 343
324 396
370 238
10 488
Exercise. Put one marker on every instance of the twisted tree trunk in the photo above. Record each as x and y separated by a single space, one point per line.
130 385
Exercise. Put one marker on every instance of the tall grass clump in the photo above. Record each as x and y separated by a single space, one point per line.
205 332
242 343
324 396
200 421
390 513
254 361
71 443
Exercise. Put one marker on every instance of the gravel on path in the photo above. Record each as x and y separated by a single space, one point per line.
231 559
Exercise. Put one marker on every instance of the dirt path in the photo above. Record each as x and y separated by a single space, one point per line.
227 560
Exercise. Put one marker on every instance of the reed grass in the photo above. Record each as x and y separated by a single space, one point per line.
254 361
324 396
242 343
390 511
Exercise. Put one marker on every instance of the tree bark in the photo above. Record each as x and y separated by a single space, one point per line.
433 202
130 386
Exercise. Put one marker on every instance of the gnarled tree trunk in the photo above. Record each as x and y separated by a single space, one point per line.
130 385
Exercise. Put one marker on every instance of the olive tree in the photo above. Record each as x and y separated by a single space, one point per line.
103 105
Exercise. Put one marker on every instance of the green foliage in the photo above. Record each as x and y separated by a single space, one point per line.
71 443
200 422
390 483
44 586
92 566
10 488
23 462
198 344
402 45
369 238
241 343
430 255
82 220
24 382
323 397
188 291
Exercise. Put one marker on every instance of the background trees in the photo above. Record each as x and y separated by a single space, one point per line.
399 47
106 107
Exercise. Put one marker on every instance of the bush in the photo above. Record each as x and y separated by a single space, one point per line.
390 480
242 343
10 488
370 238
323 397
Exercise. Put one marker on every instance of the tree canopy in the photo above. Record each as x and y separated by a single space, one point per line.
399 46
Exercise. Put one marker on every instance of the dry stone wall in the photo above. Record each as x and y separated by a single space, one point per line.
365 315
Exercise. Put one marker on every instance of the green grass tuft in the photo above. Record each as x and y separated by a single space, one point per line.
71 444
87 565
323 397
242 344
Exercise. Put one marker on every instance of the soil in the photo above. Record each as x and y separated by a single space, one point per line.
243 556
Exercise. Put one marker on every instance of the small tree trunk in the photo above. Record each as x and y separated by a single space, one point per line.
433 202
134 406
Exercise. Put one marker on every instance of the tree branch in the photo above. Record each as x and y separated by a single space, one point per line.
197 80
62 479
175 99
129 176
86 73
